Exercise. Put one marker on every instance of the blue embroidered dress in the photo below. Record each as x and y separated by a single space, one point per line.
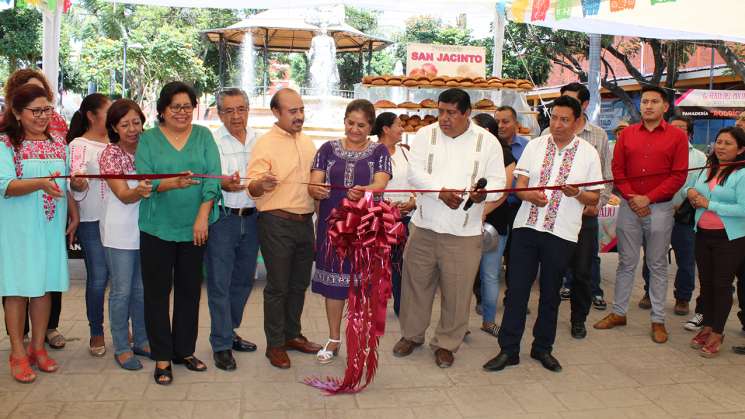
347 168
33 254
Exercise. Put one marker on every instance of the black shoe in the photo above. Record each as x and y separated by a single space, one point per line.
740 350
242 345
578 330
163 376
547 360
191 363
598 302
224 360
503 359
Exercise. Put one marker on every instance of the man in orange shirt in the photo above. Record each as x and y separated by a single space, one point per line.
279 171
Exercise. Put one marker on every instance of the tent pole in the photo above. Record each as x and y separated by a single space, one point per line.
369 57
221 53
266 65
711 87
499 27
593 78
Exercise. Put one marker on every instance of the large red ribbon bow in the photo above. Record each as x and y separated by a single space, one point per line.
364 233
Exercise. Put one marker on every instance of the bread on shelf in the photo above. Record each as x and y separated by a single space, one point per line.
484 104
384 104
409 105
428 103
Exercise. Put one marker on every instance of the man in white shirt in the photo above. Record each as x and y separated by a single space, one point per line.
582 280
233 243
444 246
546 231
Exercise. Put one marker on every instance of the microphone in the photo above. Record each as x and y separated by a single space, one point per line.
479 185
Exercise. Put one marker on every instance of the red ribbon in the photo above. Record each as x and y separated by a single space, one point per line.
363 233
503 190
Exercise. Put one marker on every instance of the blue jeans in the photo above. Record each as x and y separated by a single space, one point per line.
491 265
97 274
232 249
126 299
682 241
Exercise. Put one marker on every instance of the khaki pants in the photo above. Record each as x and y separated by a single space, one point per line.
431 260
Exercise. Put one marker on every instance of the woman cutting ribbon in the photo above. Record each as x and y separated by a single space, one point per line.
356 163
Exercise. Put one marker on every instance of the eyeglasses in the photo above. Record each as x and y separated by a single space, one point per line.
37 112
230 111
181 108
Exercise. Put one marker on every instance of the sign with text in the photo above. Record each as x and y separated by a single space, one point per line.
711 104
445 60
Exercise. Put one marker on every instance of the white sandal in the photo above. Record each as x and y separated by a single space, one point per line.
324 356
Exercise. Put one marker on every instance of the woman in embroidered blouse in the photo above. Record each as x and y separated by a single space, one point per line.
36 262
388 129
719 198
357 163
58 128
174 223
88 138
120 235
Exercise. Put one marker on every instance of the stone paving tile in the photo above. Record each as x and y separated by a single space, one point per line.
91 410
616 373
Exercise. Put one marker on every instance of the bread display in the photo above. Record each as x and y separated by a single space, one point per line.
484 104
384 104
421 80
409 105
428 103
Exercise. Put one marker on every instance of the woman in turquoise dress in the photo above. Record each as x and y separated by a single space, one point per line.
33 259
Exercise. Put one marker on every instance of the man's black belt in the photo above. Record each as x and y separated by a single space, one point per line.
241 212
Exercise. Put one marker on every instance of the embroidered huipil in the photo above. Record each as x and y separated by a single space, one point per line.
545 164
437 161
33 254
84 156
342 168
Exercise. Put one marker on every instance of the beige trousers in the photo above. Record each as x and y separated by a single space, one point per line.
433 260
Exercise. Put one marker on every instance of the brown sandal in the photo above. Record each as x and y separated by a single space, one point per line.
54 339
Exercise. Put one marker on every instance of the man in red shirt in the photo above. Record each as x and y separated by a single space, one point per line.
646 214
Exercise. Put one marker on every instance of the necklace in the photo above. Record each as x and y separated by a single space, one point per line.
345 143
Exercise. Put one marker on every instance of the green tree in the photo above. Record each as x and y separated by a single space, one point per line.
20 37
352 66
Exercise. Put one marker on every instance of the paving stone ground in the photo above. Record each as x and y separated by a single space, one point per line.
610 374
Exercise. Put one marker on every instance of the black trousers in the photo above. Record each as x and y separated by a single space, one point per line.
287 248
170 265
718 259
531 249
581 267
740 296
53 315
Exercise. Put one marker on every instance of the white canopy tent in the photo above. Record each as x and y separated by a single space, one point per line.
677 19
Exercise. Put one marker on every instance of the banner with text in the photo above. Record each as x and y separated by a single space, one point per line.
445 60
711 104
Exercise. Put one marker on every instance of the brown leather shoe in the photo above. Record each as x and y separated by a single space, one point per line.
659 334
610 321
404 347
443 358
681 307
278 357
645 303
302 344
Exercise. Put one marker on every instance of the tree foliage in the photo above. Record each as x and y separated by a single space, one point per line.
20 37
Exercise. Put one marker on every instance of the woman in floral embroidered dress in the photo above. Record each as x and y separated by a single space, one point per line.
35 212
57 127
358 163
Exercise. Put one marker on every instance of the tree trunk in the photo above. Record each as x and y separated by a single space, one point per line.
732 60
